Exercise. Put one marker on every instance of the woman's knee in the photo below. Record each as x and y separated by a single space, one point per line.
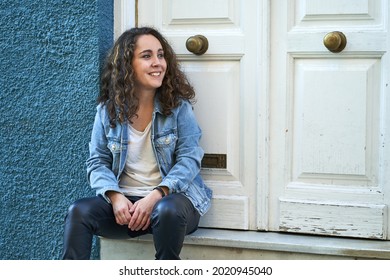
164 210
80 209
174 209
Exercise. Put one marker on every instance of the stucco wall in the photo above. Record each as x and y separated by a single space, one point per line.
50 54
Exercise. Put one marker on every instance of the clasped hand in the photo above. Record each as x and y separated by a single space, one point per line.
135 215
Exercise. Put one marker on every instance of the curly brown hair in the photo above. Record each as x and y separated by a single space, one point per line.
117 79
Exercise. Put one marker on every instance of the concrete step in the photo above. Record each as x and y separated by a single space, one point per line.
217 244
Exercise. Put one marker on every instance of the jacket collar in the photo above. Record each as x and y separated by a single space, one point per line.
157 104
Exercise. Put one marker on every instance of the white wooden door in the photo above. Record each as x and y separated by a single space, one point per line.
329 119
226 81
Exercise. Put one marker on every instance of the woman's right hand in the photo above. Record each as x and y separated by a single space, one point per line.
121 207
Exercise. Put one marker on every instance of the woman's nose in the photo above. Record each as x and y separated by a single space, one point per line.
155 61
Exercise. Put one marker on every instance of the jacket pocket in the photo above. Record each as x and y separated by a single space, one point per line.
165 149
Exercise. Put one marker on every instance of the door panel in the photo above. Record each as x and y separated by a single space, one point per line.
335 13
328 119
335 136
201 14
332 218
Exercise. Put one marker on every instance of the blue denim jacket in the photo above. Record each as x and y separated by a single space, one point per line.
175 140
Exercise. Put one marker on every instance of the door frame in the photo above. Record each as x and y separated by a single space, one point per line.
263 111
125 15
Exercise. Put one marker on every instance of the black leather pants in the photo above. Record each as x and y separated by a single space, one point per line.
172 218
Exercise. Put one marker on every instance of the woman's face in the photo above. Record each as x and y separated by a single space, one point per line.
148 63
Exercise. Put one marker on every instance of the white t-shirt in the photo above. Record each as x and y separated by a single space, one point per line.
141 173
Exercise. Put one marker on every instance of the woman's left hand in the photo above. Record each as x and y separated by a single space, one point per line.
141 211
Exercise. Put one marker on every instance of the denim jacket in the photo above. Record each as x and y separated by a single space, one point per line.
175 141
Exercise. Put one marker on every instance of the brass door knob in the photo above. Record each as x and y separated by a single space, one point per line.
335 41
197 44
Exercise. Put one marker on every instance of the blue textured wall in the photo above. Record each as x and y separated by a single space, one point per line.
50 54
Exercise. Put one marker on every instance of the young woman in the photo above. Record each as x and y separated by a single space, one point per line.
145 157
